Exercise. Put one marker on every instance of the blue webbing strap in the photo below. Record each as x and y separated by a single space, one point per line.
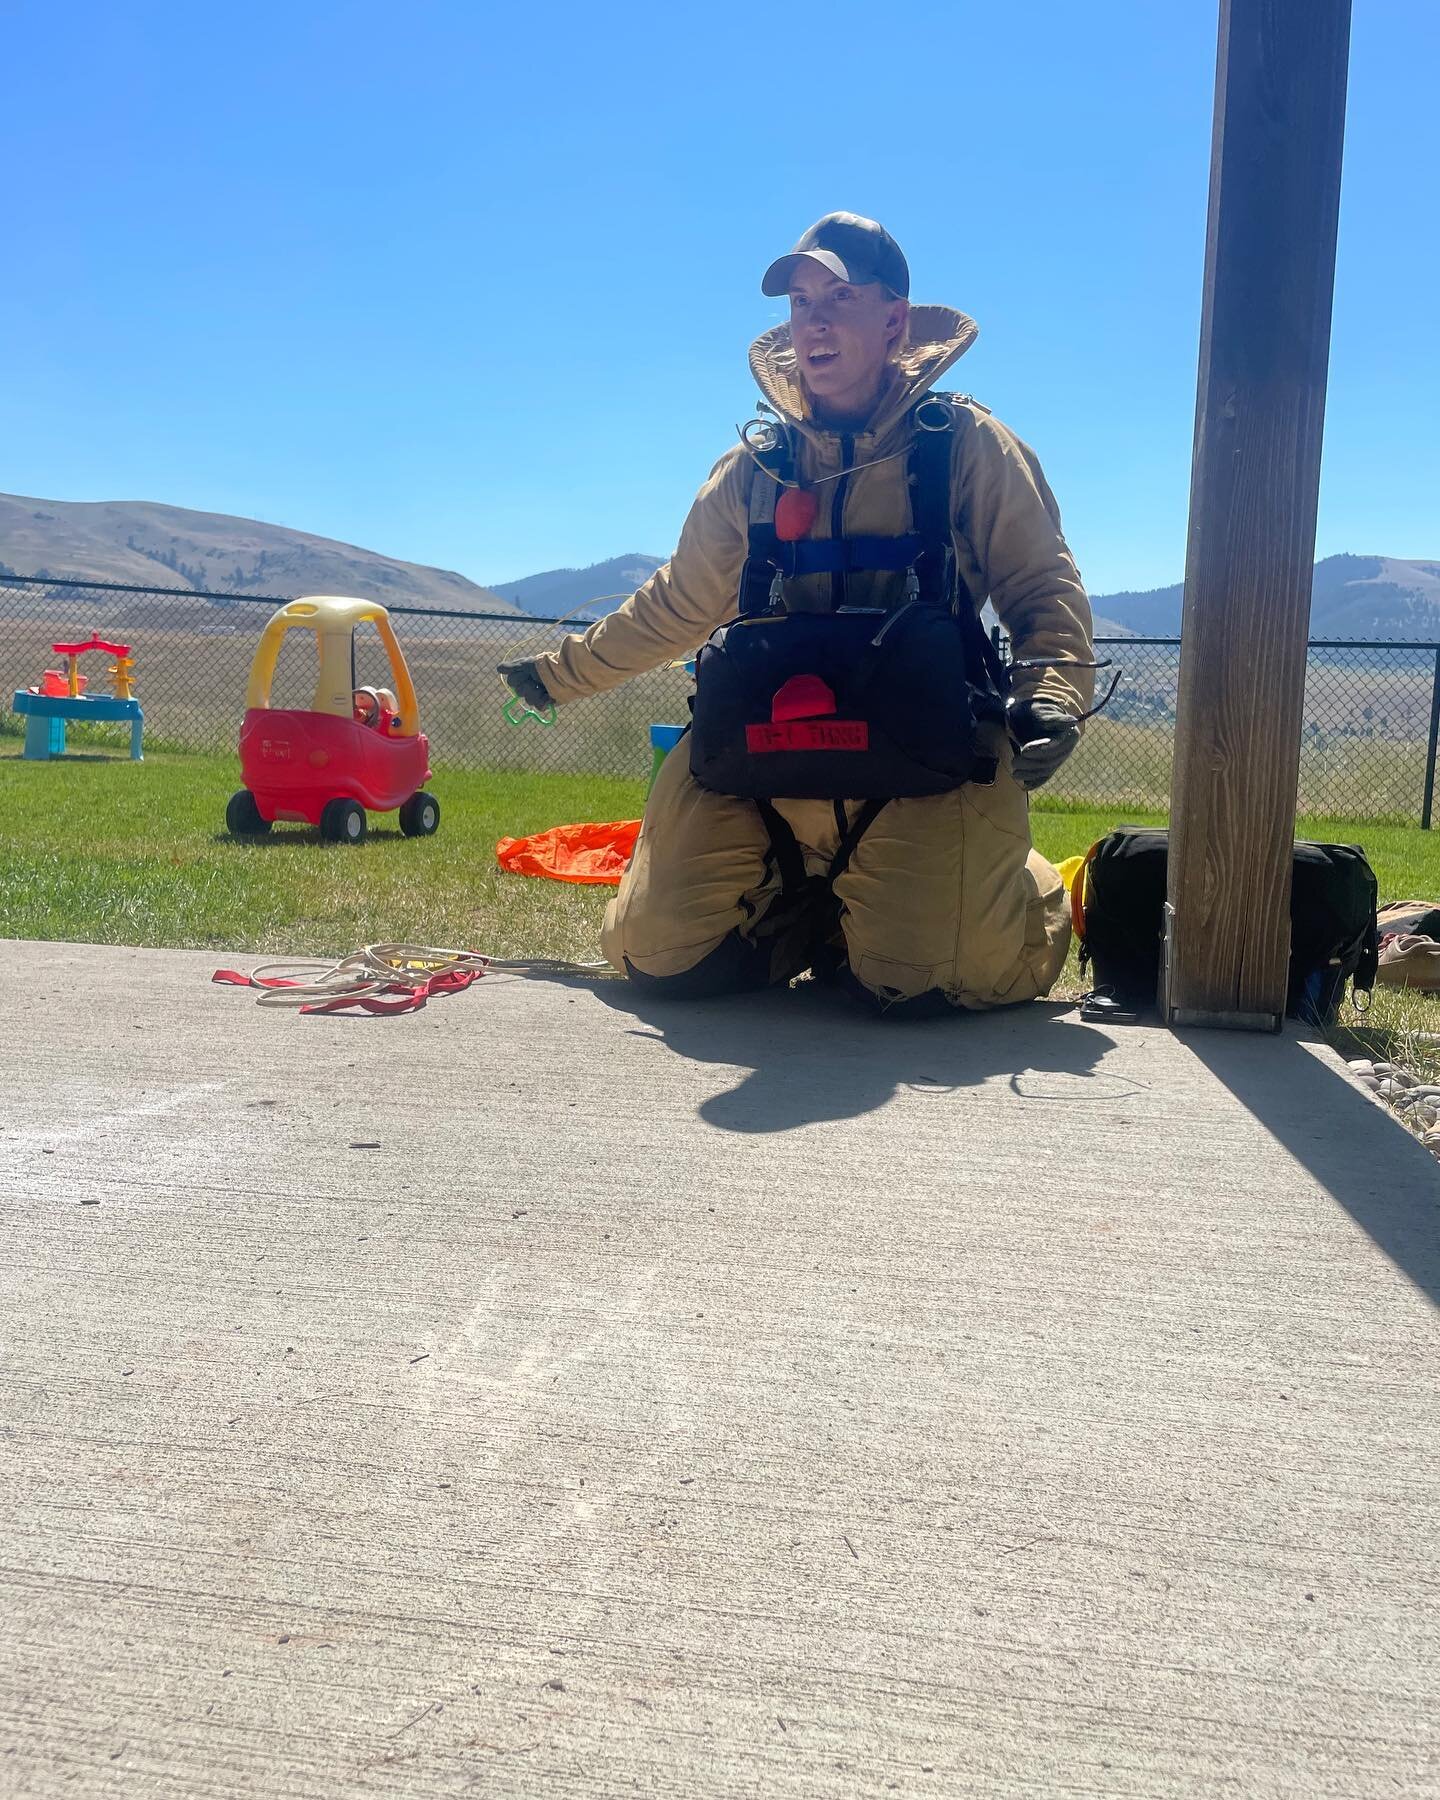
827 556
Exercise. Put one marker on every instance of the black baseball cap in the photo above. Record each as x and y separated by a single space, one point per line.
851 248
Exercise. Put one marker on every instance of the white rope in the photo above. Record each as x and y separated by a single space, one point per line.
368 972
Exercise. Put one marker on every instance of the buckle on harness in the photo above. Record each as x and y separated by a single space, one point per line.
760 436
933 415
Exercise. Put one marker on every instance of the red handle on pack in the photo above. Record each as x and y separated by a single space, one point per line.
803 697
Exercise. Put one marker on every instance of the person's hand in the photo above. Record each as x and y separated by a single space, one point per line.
1044 733
523 678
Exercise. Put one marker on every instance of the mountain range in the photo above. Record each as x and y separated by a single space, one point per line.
147 544
1353 596
595 590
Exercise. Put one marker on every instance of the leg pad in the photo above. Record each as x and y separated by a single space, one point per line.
734 966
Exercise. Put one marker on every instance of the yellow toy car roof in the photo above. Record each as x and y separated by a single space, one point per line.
338 611
333 618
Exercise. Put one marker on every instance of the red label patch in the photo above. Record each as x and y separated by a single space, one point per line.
808 734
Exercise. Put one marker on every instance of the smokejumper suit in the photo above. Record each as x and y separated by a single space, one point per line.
943 902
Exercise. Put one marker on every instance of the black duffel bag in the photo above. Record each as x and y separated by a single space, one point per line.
833 706
1333 934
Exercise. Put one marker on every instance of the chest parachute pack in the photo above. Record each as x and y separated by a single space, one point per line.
851 702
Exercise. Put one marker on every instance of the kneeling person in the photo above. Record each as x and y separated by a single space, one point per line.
853 796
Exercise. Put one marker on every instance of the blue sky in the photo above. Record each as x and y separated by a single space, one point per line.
474 285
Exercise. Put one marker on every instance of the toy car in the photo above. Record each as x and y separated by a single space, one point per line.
355 748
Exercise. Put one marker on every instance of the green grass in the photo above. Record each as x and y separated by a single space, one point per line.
106 851
101 850
1405 859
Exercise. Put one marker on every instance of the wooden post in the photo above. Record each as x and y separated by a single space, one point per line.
1260 409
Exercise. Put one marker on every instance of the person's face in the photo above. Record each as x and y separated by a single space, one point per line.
842 335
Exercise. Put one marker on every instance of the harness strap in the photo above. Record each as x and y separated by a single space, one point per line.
762 545
861 823
929 547
940 578
785 846
829 556
930 454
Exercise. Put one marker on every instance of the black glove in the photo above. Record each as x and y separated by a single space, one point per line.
523 678
1044 733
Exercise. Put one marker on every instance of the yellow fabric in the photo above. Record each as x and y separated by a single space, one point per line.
941 892
1068 869
1008 540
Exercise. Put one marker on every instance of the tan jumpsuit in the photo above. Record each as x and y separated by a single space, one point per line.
943 903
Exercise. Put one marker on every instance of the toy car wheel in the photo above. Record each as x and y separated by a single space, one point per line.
243 817
420 815
343 822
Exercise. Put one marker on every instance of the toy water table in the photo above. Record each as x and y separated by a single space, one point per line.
60 695
353 748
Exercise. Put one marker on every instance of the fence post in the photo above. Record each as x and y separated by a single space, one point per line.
1428 801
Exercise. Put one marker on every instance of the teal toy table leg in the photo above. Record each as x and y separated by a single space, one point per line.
44 738
137 727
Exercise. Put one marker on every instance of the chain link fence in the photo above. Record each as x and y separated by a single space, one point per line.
193 653
1367 750
1367 744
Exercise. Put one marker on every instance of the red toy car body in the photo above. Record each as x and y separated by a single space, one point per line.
296 763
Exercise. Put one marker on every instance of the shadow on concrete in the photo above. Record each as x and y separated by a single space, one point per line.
813 1055
1366 1160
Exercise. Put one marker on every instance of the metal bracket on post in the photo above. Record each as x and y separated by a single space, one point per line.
1162 999
1215 1021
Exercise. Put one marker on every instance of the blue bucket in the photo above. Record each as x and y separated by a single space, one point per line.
663 739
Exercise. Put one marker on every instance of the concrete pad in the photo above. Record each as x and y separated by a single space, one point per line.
750 1399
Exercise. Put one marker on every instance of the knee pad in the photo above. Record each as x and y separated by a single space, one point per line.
932 1004
734 966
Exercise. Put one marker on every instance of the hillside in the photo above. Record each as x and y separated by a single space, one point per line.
1353 597
555 593
140 542
144 543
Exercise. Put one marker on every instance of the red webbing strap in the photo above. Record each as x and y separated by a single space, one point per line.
408 999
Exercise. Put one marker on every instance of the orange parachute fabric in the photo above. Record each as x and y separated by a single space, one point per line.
593 855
